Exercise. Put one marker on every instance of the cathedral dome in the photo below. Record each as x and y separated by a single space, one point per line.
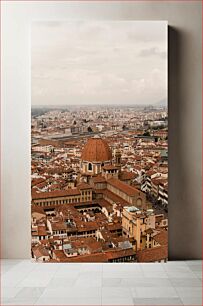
96 150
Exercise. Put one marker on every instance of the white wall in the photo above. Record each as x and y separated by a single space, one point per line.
185 112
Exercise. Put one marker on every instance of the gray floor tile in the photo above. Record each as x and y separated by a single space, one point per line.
178 274
21 301
193 262
153 292
157 301
146 282
177 268
196 268
198 274
9 292
61 282
159 274
112 282
69 301
72 292
116 292
88 282
117 301
34 292
153 267
189 291
185 282
36 281
6 268
192 301
172 283
122 274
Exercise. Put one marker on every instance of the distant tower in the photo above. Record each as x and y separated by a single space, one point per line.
118 159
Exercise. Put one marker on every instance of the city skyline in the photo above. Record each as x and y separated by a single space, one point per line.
99 184
99 62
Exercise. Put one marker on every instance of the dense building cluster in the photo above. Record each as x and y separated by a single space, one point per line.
99 184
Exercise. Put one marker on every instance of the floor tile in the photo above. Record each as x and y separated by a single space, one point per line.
67 273
15 275
146 282
72 292
9 292
192 301
193 262
178 274
172 283
122 274
177 268
158 301
189 291
198 274
69 301
36 281
116 292
89 282
153 292
151 274
117 301
26 292
196 268
153 267
112 282
21 301
185 282
61 282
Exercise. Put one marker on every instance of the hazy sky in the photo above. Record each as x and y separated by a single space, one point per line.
99 62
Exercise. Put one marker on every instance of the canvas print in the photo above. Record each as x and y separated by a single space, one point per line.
99 142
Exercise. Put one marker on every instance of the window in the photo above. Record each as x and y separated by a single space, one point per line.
90 167
139 202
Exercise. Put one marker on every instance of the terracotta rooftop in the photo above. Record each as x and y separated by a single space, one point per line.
110 167
40 251
37 209
127 175
99 179
119 253
162 238
114 197
129 190
152 255
55 194
83 186
97 257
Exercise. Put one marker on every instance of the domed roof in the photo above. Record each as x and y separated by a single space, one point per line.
96 150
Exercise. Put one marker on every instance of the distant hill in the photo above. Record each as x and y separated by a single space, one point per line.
162 102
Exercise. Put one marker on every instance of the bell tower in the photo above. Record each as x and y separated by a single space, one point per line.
118 159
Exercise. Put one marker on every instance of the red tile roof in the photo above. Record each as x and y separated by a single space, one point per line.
161 238
129 190
55 194
152 255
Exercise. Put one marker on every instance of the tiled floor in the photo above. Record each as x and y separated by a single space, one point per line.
173 283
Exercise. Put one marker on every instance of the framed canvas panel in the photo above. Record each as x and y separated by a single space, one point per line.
99 141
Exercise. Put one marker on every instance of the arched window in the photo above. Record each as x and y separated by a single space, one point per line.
139 202
90 167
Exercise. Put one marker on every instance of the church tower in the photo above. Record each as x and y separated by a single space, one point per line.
118 159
